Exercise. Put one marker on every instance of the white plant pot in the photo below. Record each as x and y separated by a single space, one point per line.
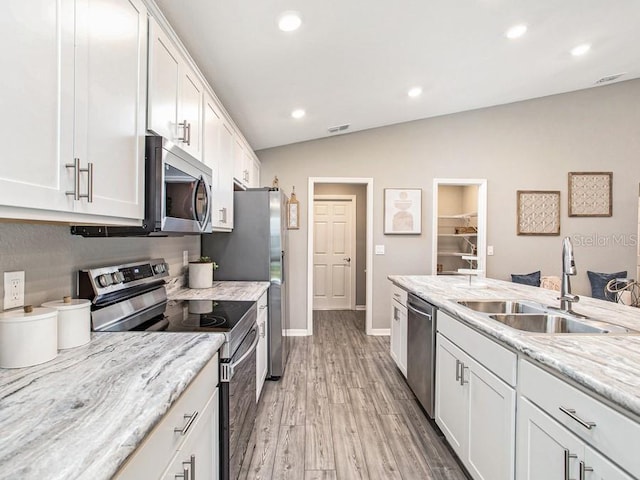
200 275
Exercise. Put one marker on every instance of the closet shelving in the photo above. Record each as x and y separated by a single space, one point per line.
457 244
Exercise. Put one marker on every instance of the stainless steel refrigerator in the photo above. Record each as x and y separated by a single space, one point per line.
256 250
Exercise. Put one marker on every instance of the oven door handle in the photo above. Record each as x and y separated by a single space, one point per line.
228 368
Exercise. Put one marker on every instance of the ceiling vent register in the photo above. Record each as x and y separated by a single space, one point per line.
609 78
338 128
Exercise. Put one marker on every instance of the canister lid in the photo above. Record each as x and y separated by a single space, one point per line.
20 315
69 304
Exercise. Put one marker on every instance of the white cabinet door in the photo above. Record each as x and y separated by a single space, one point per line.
451 401
395 332
164 83
490 449
545 449
199 452
597 467
239 162
110 105
262 354
190 112
37 104
217 154
254 174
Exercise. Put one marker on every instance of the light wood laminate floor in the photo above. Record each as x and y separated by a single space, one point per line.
343 411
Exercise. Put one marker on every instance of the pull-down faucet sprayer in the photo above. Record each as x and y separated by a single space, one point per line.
568 269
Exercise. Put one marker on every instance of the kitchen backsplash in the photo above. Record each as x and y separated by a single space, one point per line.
51 257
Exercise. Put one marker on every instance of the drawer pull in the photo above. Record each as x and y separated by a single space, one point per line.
584 469
397 295
572 413
190 419
184 475
567 459
458 370
191 464
462 380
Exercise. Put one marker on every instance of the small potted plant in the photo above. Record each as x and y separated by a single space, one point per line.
201 273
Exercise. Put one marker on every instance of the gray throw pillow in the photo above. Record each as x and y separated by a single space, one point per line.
599 282
532 279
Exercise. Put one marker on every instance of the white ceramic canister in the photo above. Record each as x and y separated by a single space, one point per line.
74 321
28 337
200 275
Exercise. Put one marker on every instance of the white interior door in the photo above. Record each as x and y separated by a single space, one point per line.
334 254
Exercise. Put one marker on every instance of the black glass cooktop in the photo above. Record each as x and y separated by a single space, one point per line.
208 315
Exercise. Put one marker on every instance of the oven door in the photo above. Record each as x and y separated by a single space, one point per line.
186 196
237 405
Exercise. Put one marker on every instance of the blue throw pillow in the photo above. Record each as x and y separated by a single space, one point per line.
599 282
532 279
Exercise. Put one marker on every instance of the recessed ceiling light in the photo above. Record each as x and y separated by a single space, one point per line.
415 92
298 113
289 21
516 31
580 49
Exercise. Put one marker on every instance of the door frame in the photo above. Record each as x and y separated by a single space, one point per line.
352 264
368 181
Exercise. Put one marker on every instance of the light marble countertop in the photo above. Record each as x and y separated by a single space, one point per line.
608 365
82 414
223 290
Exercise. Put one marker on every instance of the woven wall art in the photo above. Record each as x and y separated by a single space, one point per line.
538 212
590 194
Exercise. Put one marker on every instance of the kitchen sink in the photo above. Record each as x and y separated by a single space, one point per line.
546 323
502 306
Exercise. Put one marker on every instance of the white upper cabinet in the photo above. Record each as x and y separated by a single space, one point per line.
88 153
217 155
246 169
110 105
175 105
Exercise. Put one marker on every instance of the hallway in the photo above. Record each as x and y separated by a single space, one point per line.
343 411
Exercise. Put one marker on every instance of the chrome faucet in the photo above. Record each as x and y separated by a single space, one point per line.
568 269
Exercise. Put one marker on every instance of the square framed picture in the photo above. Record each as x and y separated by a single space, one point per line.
402 211
590 194
538 212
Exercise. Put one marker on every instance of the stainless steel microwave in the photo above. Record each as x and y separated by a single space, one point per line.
178 197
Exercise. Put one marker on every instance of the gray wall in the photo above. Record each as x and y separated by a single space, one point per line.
51 257
360 191
529 145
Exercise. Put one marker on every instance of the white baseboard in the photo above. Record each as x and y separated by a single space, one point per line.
296 332
361 308
380 332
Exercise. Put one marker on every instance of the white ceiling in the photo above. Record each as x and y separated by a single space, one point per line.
352 61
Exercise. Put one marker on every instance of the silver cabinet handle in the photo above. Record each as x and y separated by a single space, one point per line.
262 330
188 134
584 469
185 131
572 413
190 419
567 460
76 178
223 215
462 380
89 171
396 317
458 370
184 475
192 465
397 295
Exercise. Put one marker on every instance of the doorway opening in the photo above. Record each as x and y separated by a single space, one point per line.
340 253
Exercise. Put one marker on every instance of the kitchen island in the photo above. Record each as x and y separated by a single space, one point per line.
82 414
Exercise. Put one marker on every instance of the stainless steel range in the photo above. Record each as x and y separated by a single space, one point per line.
132 297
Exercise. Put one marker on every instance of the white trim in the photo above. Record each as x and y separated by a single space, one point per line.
353 264
295 332
368 181
380 332
361 308
481 183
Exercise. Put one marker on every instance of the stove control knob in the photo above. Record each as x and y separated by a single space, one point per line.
160 268
104 280
117 277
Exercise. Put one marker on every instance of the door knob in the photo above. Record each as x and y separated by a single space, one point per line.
347 259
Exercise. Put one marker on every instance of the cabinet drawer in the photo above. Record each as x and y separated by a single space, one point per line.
398 294
163 441
613 434
492 356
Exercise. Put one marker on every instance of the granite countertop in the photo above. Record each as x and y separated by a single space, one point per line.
82 414
247 291
608 365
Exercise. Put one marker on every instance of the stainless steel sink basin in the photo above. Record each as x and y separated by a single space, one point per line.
502 306
548 323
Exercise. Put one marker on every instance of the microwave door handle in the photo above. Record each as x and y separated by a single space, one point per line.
207 217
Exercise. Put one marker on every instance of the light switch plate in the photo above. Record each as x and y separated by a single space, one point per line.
489 250
379 249
13 289
185 258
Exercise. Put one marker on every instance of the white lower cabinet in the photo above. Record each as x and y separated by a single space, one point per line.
476 399
399 328
187 437
262 349
563 433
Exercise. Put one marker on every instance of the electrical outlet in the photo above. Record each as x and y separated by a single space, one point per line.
13 289
185 258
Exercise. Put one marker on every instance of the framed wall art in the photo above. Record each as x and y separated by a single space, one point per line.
293 212
538 212
590 194
402 211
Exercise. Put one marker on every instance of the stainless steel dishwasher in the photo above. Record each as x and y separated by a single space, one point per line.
421 351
